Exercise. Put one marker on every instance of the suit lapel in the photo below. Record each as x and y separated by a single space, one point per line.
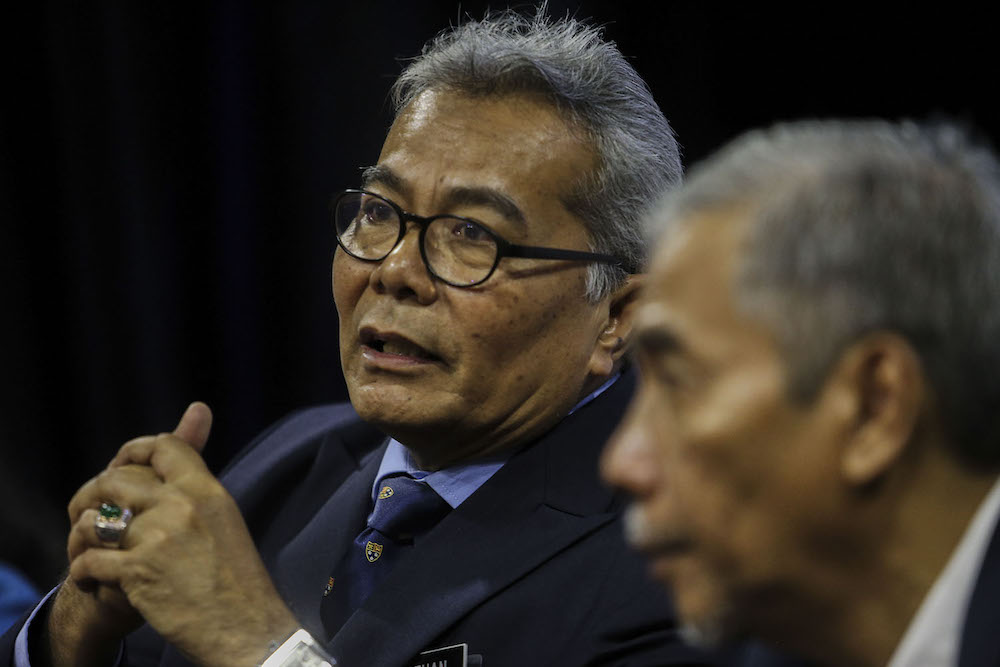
522 517
980 646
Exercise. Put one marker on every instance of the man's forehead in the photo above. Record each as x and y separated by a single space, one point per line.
513 154
697 242
693 270
443 111
514 132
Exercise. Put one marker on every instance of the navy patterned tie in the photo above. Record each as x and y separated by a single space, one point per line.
404 508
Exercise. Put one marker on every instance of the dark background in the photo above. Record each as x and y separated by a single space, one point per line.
165 170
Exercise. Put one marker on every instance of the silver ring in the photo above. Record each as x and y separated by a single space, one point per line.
111 522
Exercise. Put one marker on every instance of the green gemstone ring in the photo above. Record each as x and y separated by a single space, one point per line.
111 522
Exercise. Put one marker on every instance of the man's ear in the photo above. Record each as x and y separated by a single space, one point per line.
614 339
883 376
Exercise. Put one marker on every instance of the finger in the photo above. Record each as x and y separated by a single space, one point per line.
83 536
111 596
173 458
101 565
78 540
144 451
195 425
137 450
110 599
131 486
193 428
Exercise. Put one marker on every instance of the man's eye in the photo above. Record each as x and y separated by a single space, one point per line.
469 231
375 212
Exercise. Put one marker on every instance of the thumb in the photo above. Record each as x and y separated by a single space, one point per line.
195 425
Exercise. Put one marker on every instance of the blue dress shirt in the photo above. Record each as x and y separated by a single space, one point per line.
458 482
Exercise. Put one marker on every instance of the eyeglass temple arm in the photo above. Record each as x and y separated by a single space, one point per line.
536 252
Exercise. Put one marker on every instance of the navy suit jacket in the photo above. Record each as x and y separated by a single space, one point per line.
531 569
980 645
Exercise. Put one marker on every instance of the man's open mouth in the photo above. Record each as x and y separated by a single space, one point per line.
395 345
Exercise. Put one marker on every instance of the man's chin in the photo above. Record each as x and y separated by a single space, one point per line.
704 635
711 630
708 617
390 407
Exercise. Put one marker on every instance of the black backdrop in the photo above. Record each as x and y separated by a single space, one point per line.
165 170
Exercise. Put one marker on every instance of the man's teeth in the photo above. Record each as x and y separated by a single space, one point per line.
404 349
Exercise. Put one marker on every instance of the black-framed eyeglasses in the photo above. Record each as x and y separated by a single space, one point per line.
459 251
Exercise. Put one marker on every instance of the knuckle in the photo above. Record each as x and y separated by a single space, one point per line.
183 508
214 499
81 499
106 487
133 450
105 480
80 566
137 471
136 443
135 570
216 493
157 537
85 522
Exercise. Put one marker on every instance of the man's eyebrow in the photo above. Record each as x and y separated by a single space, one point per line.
382 175
456 196
488 197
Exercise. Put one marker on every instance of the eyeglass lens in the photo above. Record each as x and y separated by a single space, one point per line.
458 251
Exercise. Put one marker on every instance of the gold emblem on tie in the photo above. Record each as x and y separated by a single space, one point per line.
385 492
372 551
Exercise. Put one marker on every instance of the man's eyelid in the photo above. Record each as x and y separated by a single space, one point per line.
468 218
376 190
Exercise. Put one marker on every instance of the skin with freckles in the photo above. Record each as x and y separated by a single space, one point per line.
510 357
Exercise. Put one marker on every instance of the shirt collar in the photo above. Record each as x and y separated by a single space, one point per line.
458 482
934 633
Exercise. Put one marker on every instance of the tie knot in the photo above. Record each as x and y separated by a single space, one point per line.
405 507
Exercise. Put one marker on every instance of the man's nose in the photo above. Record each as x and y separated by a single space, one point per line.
403 273
629 460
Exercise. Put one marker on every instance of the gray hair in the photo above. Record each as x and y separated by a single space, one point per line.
587 79
865 226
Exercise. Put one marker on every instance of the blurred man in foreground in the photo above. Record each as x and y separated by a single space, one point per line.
814 449
484 285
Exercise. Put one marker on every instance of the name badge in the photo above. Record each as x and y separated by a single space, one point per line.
449 656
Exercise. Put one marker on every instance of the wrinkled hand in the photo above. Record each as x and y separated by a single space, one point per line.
186 562
87 620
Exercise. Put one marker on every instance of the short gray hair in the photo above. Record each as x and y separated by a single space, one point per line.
865 226
588 79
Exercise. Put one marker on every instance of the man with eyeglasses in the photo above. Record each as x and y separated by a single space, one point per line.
484 279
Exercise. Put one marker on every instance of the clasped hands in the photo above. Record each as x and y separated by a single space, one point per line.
186 564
